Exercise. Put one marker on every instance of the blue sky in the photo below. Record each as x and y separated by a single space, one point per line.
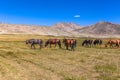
49 12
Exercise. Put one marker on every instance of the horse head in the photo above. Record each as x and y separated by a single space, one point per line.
64 40
46 43
84 42
59 43
106 45
27 41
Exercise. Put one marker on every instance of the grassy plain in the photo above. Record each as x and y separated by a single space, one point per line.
19 62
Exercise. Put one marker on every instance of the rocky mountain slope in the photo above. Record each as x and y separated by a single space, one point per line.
101 29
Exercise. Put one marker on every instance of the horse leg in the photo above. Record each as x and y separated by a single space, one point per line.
95 45
59 44
111 46
55 45
87 45
72 47
34 46
117 45
50 45
67 47
31 46
90 45
99 45
40 46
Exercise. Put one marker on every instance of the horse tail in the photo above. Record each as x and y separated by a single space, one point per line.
75 42
41 41
117 43
101 42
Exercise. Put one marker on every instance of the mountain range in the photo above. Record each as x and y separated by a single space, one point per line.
100 29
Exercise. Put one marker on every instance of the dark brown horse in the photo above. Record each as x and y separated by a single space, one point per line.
87 43
97 42
53 41
70 43
113 43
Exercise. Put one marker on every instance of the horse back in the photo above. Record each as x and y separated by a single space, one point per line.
72 41
53 41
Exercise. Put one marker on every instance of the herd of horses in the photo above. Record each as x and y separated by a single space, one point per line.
72 43
112 43
67 43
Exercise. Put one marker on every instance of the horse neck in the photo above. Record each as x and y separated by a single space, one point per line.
29 41
107 43
59 43
47 43
83 43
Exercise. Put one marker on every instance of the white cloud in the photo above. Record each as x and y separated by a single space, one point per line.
77 16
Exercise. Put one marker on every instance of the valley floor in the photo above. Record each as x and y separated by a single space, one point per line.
19 62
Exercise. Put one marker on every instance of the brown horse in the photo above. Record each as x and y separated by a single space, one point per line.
113 43
53 41
70 43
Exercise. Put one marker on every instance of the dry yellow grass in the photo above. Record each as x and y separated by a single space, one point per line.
19 62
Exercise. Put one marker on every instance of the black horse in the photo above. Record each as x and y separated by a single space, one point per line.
97 42
34 41
87 43
53 41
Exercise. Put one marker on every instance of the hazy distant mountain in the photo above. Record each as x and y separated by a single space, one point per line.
100 29
68 27
60 29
